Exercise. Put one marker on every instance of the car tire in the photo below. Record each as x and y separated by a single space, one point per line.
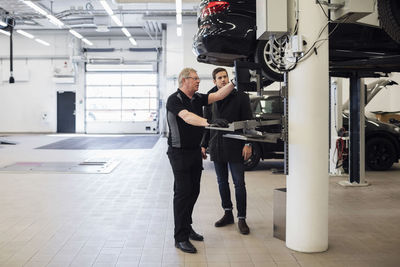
271 64
254 159
379 154
389 17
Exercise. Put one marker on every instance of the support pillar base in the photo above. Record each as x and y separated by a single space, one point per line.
346 183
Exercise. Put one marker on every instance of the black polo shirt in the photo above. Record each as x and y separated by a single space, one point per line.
182 134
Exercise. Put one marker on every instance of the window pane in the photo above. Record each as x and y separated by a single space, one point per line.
139 103
103 79
103 91
94 103
103 115
139 79
139 115
139 91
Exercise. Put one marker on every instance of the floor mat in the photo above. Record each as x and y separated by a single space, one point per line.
87 166
109 142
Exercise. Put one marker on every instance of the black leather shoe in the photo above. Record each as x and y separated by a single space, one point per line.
226 219
195 236
185 246
243 228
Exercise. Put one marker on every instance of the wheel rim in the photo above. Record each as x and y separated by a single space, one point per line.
274 53
379 155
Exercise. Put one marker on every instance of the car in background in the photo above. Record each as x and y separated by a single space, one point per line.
382 143
266 108
227 32
382 140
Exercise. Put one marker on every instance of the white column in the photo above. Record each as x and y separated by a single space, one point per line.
307 182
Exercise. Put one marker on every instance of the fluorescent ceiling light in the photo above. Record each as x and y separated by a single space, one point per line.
179 31
126 32
35 7
42 42
132 41
55 21
3 24
77 35
4 32
87 41
179 18
178 6
24 33
106 7
116 20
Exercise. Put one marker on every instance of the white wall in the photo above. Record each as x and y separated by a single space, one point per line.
30 105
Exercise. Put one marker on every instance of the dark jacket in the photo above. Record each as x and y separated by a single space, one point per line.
235 107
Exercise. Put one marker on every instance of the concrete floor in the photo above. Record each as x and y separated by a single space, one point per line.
125 218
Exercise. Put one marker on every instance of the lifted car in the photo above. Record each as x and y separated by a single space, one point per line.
227 31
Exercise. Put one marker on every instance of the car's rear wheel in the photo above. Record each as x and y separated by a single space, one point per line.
254 159
389 17
380 154
270 54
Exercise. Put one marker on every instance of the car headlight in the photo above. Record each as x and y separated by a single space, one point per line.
397 129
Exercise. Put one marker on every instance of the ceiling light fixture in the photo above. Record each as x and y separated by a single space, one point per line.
179 19
42 42
24 33
3 24
4 32
132 41
55 21
178 6
126 32
87 41
178 9
116 20
106 7
35 7
74 33
179 31
51 18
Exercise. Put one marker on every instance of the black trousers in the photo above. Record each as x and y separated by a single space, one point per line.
187 165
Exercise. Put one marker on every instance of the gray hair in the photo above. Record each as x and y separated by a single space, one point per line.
184 74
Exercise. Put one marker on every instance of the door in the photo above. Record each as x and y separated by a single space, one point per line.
65 112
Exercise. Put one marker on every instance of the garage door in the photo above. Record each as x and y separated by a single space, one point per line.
121 101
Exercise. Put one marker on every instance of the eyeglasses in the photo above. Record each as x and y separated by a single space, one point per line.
194 78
